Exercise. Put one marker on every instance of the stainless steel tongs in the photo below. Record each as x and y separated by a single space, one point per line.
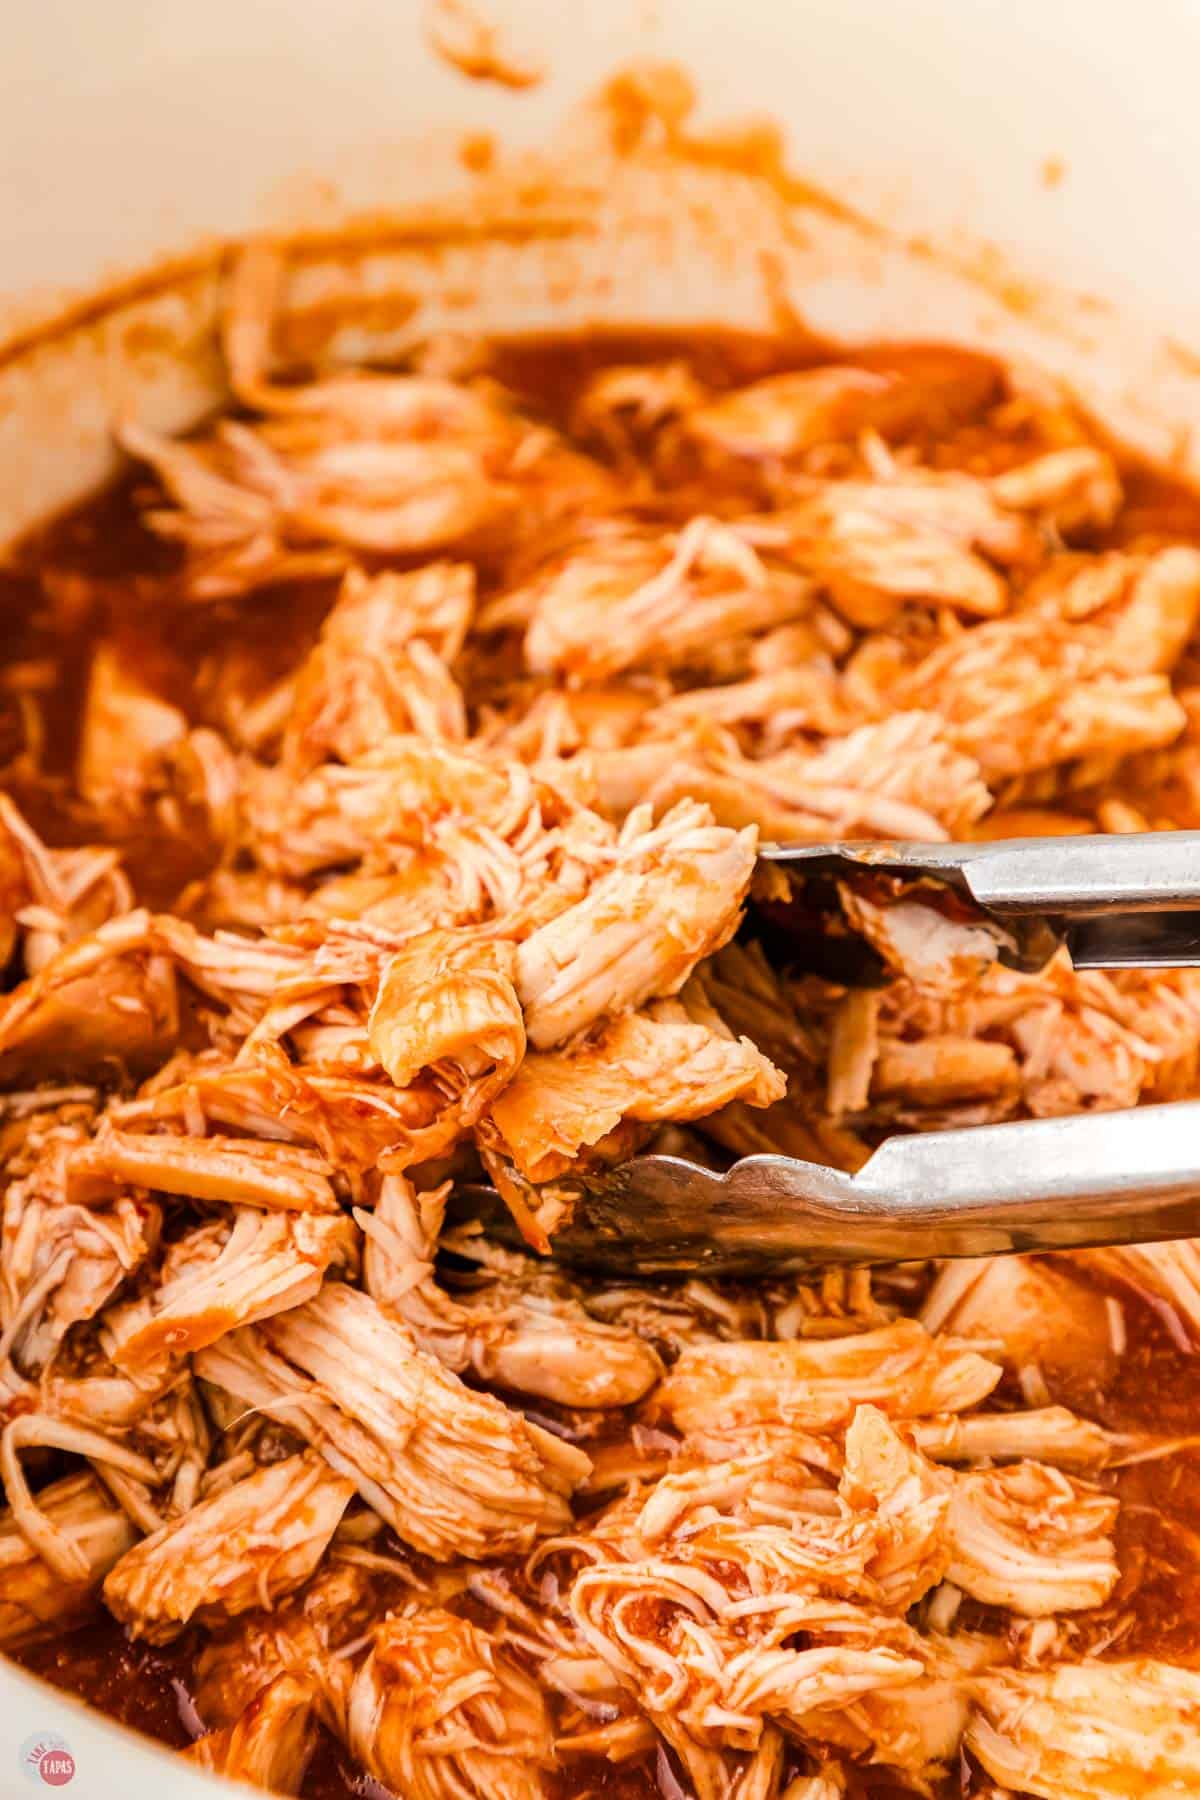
1043 1184
1120 902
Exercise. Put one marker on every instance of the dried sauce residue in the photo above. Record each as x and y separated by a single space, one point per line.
463 35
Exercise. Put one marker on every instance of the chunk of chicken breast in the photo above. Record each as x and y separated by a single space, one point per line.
447 1007
642 1068
60 1264
234 1273
1031 1539
104 1003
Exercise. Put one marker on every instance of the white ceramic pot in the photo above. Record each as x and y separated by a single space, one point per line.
1014 154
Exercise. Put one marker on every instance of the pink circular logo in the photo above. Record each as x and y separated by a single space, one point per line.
57 1767
46 1760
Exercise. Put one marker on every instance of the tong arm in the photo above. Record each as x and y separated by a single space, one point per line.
1067 877
1041 1184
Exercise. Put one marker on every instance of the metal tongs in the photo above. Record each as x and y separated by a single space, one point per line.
1119 902
1044 1184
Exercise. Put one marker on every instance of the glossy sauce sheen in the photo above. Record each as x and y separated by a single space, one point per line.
52 617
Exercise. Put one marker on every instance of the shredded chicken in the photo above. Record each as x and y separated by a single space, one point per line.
810 1384
253 1541
103 1004
453 1472
34 1598
436 1711
1089 1730
519 1328
270 1745
1032 1539
234 1273
673 897
645 1067
428 855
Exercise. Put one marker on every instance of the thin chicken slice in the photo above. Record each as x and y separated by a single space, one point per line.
1051 1434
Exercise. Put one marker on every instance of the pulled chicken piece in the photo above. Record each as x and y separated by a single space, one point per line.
454 1473
640 1069
622 602
234 1273
523 1329
244 1547
102 1004
1088 1730
673 897
815 1385
439 1712
238 1171
60 1263
35 1601
381 666
447 1008
1031 1539
270 1745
